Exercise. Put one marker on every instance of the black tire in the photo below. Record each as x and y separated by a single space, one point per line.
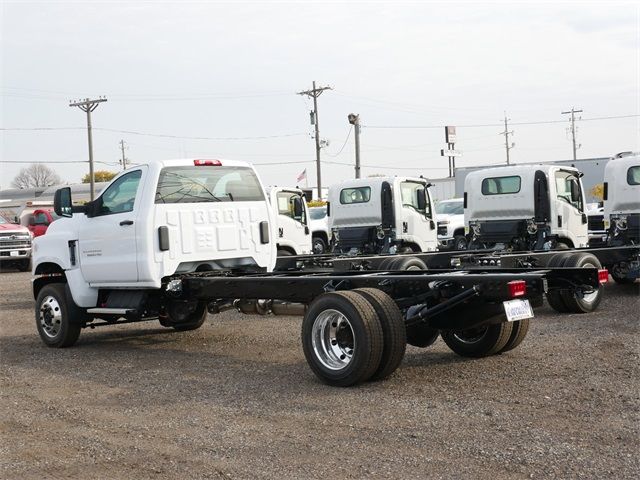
403 263
195 320
619 279
460 242
393 331
478 342
562 246
405 249
284 263
518 332
58 319
24 265
554 298
577 302
319 246
421 336
362 331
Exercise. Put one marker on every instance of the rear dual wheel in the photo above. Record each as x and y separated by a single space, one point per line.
355 336
575 300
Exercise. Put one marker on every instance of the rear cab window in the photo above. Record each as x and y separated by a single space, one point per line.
501 185
633 175
355 195
198 184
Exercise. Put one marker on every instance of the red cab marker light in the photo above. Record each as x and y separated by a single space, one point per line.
603 275
517 288
209 163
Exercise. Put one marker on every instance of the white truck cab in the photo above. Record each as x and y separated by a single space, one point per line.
622 200
292 218
153 221
525 207
382 214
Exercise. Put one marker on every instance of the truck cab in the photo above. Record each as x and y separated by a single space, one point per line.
290 209
622 200
525 207
157 220
382 215
39 220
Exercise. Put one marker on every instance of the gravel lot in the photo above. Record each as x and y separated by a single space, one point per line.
235 399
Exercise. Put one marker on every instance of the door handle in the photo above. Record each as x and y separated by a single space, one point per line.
126 222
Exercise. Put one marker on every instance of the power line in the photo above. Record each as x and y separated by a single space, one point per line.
480 125
343 145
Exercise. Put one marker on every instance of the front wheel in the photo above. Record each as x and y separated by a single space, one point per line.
319 245
460 242
24 265
480 341
58 319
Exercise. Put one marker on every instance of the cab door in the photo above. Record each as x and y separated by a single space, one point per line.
570 220
107 241
417 224
293 229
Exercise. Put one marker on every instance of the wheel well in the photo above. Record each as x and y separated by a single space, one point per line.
414 246
567 241
288 249
458 231
50 273
322 235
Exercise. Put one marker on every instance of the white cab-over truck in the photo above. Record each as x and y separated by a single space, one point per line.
525 207
293 232
382 215
174 240
622 211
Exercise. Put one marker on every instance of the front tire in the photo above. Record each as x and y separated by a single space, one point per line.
58 319
319 245
24 265
342 338
478 342
460 242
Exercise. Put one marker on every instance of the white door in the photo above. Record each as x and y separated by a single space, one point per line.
416 221
570 208
293 230
107 243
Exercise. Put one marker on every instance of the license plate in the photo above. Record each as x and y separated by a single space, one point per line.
14 253
517 310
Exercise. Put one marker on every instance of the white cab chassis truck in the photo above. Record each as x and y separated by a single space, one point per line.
526 207
175 240
382 215
290 210
622 211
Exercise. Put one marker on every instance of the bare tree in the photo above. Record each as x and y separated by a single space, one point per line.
35 175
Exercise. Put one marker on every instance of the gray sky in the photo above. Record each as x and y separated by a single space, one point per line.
221 70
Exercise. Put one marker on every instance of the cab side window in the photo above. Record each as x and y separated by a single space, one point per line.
568 189
120 196
40 219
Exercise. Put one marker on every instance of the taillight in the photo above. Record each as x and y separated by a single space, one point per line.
603 275
517 288
209 163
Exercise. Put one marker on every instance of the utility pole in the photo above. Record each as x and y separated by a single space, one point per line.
124 159
315 93
354 120
87 105
506 134
573 112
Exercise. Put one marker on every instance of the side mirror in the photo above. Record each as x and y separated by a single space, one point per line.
297 208
328 209
62 202
16 220
422 199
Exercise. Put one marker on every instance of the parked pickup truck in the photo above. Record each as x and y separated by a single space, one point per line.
15 245
450 215
174 240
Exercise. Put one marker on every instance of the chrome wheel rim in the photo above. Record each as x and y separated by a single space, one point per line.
332 339
469 337
590 297
318 247
50 316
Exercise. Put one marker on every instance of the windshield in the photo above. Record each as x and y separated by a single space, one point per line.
318 213
3 221
450 208
208 184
